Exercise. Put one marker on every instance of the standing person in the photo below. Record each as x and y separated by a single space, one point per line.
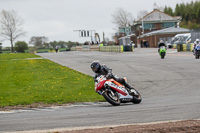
56 49
147 44
141 43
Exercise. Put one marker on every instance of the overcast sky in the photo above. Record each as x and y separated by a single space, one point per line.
57 19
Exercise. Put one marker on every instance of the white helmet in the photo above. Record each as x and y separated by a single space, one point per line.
197 40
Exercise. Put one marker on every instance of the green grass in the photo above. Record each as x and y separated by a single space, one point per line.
25 82
5 52
17 56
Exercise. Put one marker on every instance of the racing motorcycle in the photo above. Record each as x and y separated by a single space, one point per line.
162 52
116 93
197 52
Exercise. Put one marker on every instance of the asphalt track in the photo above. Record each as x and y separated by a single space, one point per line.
170 89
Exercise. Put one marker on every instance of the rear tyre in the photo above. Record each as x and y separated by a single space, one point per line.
111 97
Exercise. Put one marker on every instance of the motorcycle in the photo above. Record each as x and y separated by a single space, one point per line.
162 52
197 52
116 93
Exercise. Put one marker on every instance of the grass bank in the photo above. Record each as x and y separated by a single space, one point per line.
24 82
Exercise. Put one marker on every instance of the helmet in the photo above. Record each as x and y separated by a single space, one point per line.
197 40
95 66
161 41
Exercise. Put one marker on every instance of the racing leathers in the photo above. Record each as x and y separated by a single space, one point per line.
105 70
196 43
160 45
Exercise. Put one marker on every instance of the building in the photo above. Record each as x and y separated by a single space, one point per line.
155 20
166 35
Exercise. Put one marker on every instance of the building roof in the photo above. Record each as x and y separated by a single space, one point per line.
171 30
128 36
158 16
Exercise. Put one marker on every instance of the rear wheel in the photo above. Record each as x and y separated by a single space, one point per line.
136 96
111 97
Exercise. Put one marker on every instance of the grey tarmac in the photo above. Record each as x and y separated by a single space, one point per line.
169 88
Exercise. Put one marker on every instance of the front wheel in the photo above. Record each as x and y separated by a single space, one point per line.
162 54
111 97
136 96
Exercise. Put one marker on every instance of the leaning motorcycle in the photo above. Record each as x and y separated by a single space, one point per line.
197 52
114 92
162 52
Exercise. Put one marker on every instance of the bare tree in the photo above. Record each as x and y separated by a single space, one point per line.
39 41
122 18
141 14
10 26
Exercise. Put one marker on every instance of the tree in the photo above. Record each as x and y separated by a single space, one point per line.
121 18
39 41
190 13
0 47
21 46
10 26
141 14
169 11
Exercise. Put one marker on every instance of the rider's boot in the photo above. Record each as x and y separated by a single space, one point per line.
128 86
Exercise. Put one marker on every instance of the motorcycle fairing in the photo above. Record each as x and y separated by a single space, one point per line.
117 87
100 85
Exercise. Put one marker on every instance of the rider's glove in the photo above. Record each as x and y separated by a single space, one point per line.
109 75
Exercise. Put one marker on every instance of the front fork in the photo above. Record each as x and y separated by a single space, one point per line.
100 92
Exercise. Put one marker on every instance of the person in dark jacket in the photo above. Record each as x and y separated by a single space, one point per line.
161 44
99 70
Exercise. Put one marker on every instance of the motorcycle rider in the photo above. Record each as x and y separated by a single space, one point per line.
196 43
99 70
161 44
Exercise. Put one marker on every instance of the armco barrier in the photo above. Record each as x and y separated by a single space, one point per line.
112 49
104 48
87 48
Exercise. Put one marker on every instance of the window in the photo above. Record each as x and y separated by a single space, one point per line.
168 24
149 26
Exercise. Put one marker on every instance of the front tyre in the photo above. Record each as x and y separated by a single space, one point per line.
111 97
136 96
162 55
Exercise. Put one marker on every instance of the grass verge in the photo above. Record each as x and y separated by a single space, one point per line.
24 82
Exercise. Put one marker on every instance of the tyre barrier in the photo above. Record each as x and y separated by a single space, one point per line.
183 47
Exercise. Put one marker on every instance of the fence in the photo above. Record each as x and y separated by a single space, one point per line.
112 49
195 34
104 48
87 48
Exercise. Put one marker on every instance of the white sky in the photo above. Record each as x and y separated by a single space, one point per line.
57 19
